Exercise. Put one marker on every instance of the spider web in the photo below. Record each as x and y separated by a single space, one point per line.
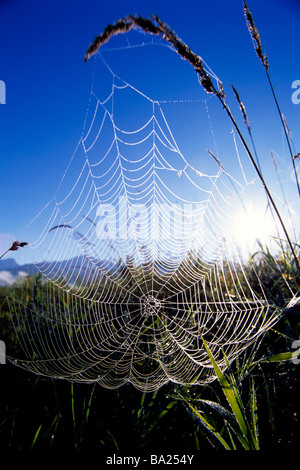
138 262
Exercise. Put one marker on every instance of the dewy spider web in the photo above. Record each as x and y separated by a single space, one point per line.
138 261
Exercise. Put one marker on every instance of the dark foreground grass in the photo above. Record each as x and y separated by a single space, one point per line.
47 414
43 414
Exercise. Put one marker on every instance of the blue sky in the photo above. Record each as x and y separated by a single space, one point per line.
48 84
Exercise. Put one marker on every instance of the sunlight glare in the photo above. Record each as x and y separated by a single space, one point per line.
252 225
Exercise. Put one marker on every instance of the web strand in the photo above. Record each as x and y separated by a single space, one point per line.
138 263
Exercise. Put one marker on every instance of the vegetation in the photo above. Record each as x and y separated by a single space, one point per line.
253 405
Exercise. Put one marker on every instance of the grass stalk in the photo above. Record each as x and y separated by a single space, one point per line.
236 422
263 58
270 198
14 247
156 27
36 436
73 415
285 131
230 390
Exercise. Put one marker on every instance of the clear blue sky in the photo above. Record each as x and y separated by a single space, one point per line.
42 46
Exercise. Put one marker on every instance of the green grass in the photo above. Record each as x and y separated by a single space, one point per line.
253 405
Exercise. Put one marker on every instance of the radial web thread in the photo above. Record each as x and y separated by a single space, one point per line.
138 260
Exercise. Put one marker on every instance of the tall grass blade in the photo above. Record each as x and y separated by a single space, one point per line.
156 27
112 437
159 417
208 427
233 398
263 58
36 436
73 414
254 414
282 357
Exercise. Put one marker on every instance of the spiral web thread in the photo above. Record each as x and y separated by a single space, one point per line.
138 260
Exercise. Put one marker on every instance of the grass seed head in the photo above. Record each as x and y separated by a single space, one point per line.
255 37
242 107
156 27
16 245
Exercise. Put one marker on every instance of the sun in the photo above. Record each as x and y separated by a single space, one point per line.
252 224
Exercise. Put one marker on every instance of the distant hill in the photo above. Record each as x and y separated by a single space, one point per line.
8 264
10 270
